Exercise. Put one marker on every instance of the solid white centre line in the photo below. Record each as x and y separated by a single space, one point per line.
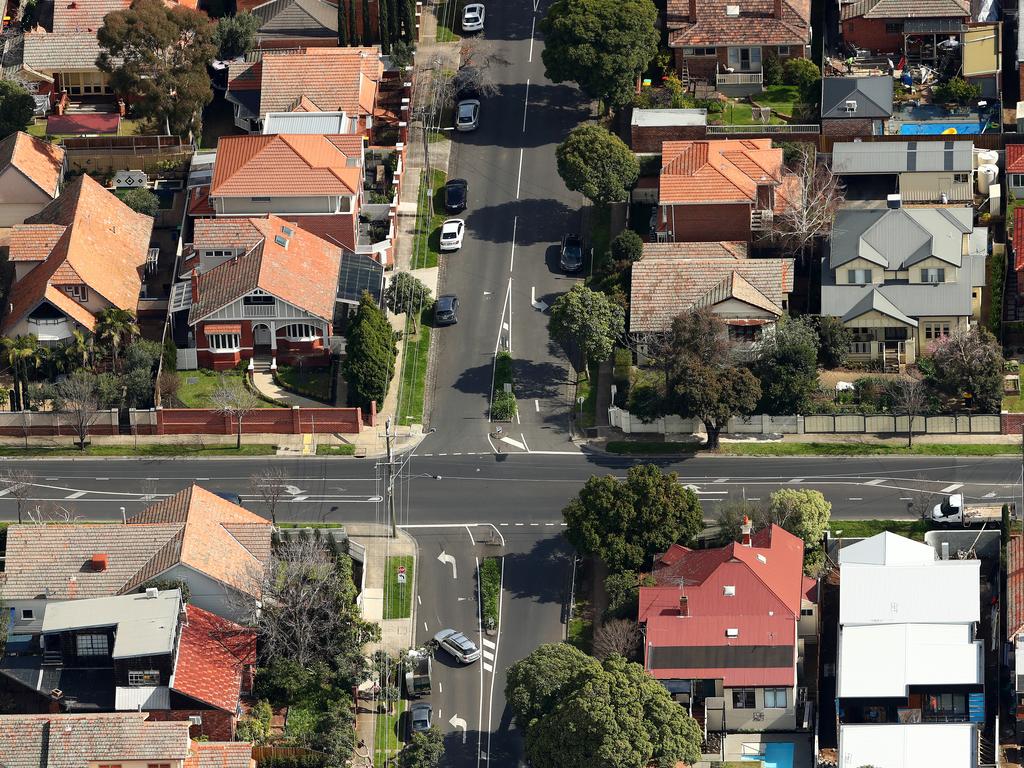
951 488
526 103
520 179
533 28
512 261
722 480
523 437
536 405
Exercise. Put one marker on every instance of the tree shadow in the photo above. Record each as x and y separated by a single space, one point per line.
540 220
539 380
542 574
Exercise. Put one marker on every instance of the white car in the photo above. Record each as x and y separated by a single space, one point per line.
451 234
467 115
458 645
473 17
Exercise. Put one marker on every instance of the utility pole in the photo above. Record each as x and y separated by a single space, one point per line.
389 479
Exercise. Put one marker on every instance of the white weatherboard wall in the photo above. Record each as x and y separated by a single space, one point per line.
897 745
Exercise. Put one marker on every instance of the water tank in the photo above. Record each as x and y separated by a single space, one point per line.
985 157
987 175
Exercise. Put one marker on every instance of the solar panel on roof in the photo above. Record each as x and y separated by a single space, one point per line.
359 273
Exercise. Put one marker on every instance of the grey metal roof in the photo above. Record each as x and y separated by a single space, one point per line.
899 238
872 94
297 18
1020 31
145 626
876 302
854 157
141 698
654 118
318 123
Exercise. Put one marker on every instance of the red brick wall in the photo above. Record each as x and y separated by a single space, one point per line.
870 34
846 128
275 421
709 223
217 725
1013 423
649 139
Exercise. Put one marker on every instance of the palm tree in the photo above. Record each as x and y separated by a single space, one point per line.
115 329
22 353
76 352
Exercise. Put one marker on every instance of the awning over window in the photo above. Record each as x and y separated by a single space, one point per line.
222 328
751 321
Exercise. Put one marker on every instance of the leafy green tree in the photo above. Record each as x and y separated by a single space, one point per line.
627 522
730 514
597 163
806 76
956 90
16 108
627 246
834 339
771 69
803 513
157 56
141 200
115 329
602 45
535 684
22 356
255 727
424 750
236 35
788 367
623 592
406 293
589 320
968 364
370 365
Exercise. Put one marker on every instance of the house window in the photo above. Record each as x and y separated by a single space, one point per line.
1017 179
945 704
691 51
806 611
745 59
91 645
742 698
27 614
775 698
79 292
894 28
258 298
218 254
783 50
933 275
259 199
223 342
743 332
961 178
858 276
936 330
301 332
144 677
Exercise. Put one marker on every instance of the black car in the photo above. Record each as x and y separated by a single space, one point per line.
571 256
446 310
456 192
234 498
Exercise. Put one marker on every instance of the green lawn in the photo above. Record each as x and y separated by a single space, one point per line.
587 389
1013 403
857 529
196 387
158 449
411 392
600 236
398 597
448 20
580 631
310 382
780 98
651 448
741 114
430 214
335 450
386 738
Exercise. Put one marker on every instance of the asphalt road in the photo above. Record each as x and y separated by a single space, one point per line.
507 270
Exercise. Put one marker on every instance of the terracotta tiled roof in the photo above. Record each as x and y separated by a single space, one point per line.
77 741
225 233
1015 158
756 24
304 272
906 9
40 161
220 754
709 250
667 281
717 171
212 653
334 79
33 242
1015 586
105 242
283 165
1018 239
199 202
245 75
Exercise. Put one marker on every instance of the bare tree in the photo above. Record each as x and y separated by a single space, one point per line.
619 636
235 401
810 204
77 397
473 78
269 484
51 512
908 398
19 484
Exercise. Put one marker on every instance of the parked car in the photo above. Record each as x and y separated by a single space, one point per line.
234 498
467 115
456 195
458 645
420 715
473 17
446 310
451 234
571 256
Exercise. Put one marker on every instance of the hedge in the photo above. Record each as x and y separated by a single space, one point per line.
490 591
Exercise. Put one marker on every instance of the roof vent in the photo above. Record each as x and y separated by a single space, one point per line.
732 11
98 562
762 559
732 632
152 593
729 590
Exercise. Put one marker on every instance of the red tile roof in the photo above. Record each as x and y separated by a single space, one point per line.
756 24
1018 239
768 585
1015 586
332 79
212 653
33 242
719 171
220 754
40 161
1015 158
287 165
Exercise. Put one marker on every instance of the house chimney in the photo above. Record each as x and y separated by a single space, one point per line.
745 531
98 562
777 9
684 606
73 588
195 286
693 11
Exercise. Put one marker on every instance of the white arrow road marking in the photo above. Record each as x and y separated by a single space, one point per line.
951 488
457 722
989 495
538 305
444 557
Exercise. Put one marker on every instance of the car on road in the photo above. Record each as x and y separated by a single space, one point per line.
570 257
456 195
473 17
451 234
420 715
458 645
446 310
234 498
467 115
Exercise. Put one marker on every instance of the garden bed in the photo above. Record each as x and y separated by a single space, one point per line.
398 598
490 592
195 388
314 383
503 404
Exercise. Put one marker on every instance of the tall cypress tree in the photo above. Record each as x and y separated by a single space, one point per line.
367 28
344 11
370 364
408 19
384 25
394 20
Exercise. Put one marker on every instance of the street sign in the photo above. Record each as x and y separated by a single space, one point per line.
130 179
401 578
401 569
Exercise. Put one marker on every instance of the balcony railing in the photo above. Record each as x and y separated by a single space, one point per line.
259 310
722 130
47 320
738 78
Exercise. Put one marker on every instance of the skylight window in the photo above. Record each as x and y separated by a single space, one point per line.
732 632
729 590
282 241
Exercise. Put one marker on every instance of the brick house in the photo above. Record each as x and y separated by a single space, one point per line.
725 44
720 190
296 24
886 26
855 106
82 253
31 176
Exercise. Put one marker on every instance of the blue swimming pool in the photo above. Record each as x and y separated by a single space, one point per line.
934 129
777 754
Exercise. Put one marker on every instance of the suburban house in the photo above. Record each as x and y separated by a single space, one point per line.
919 171
1015 169
145 652
118 738
724 44
82 253
915 27
724 631
31 176
1015 616
910 671
259 288
856 106
296 24
310 80
720 190
902 278
215 547
749 295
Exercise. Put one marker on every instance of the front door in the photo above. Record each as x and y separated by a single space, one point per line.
261 336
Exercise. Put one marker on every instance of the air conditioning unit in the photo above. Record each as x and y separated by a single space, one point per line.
851 105
195 719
